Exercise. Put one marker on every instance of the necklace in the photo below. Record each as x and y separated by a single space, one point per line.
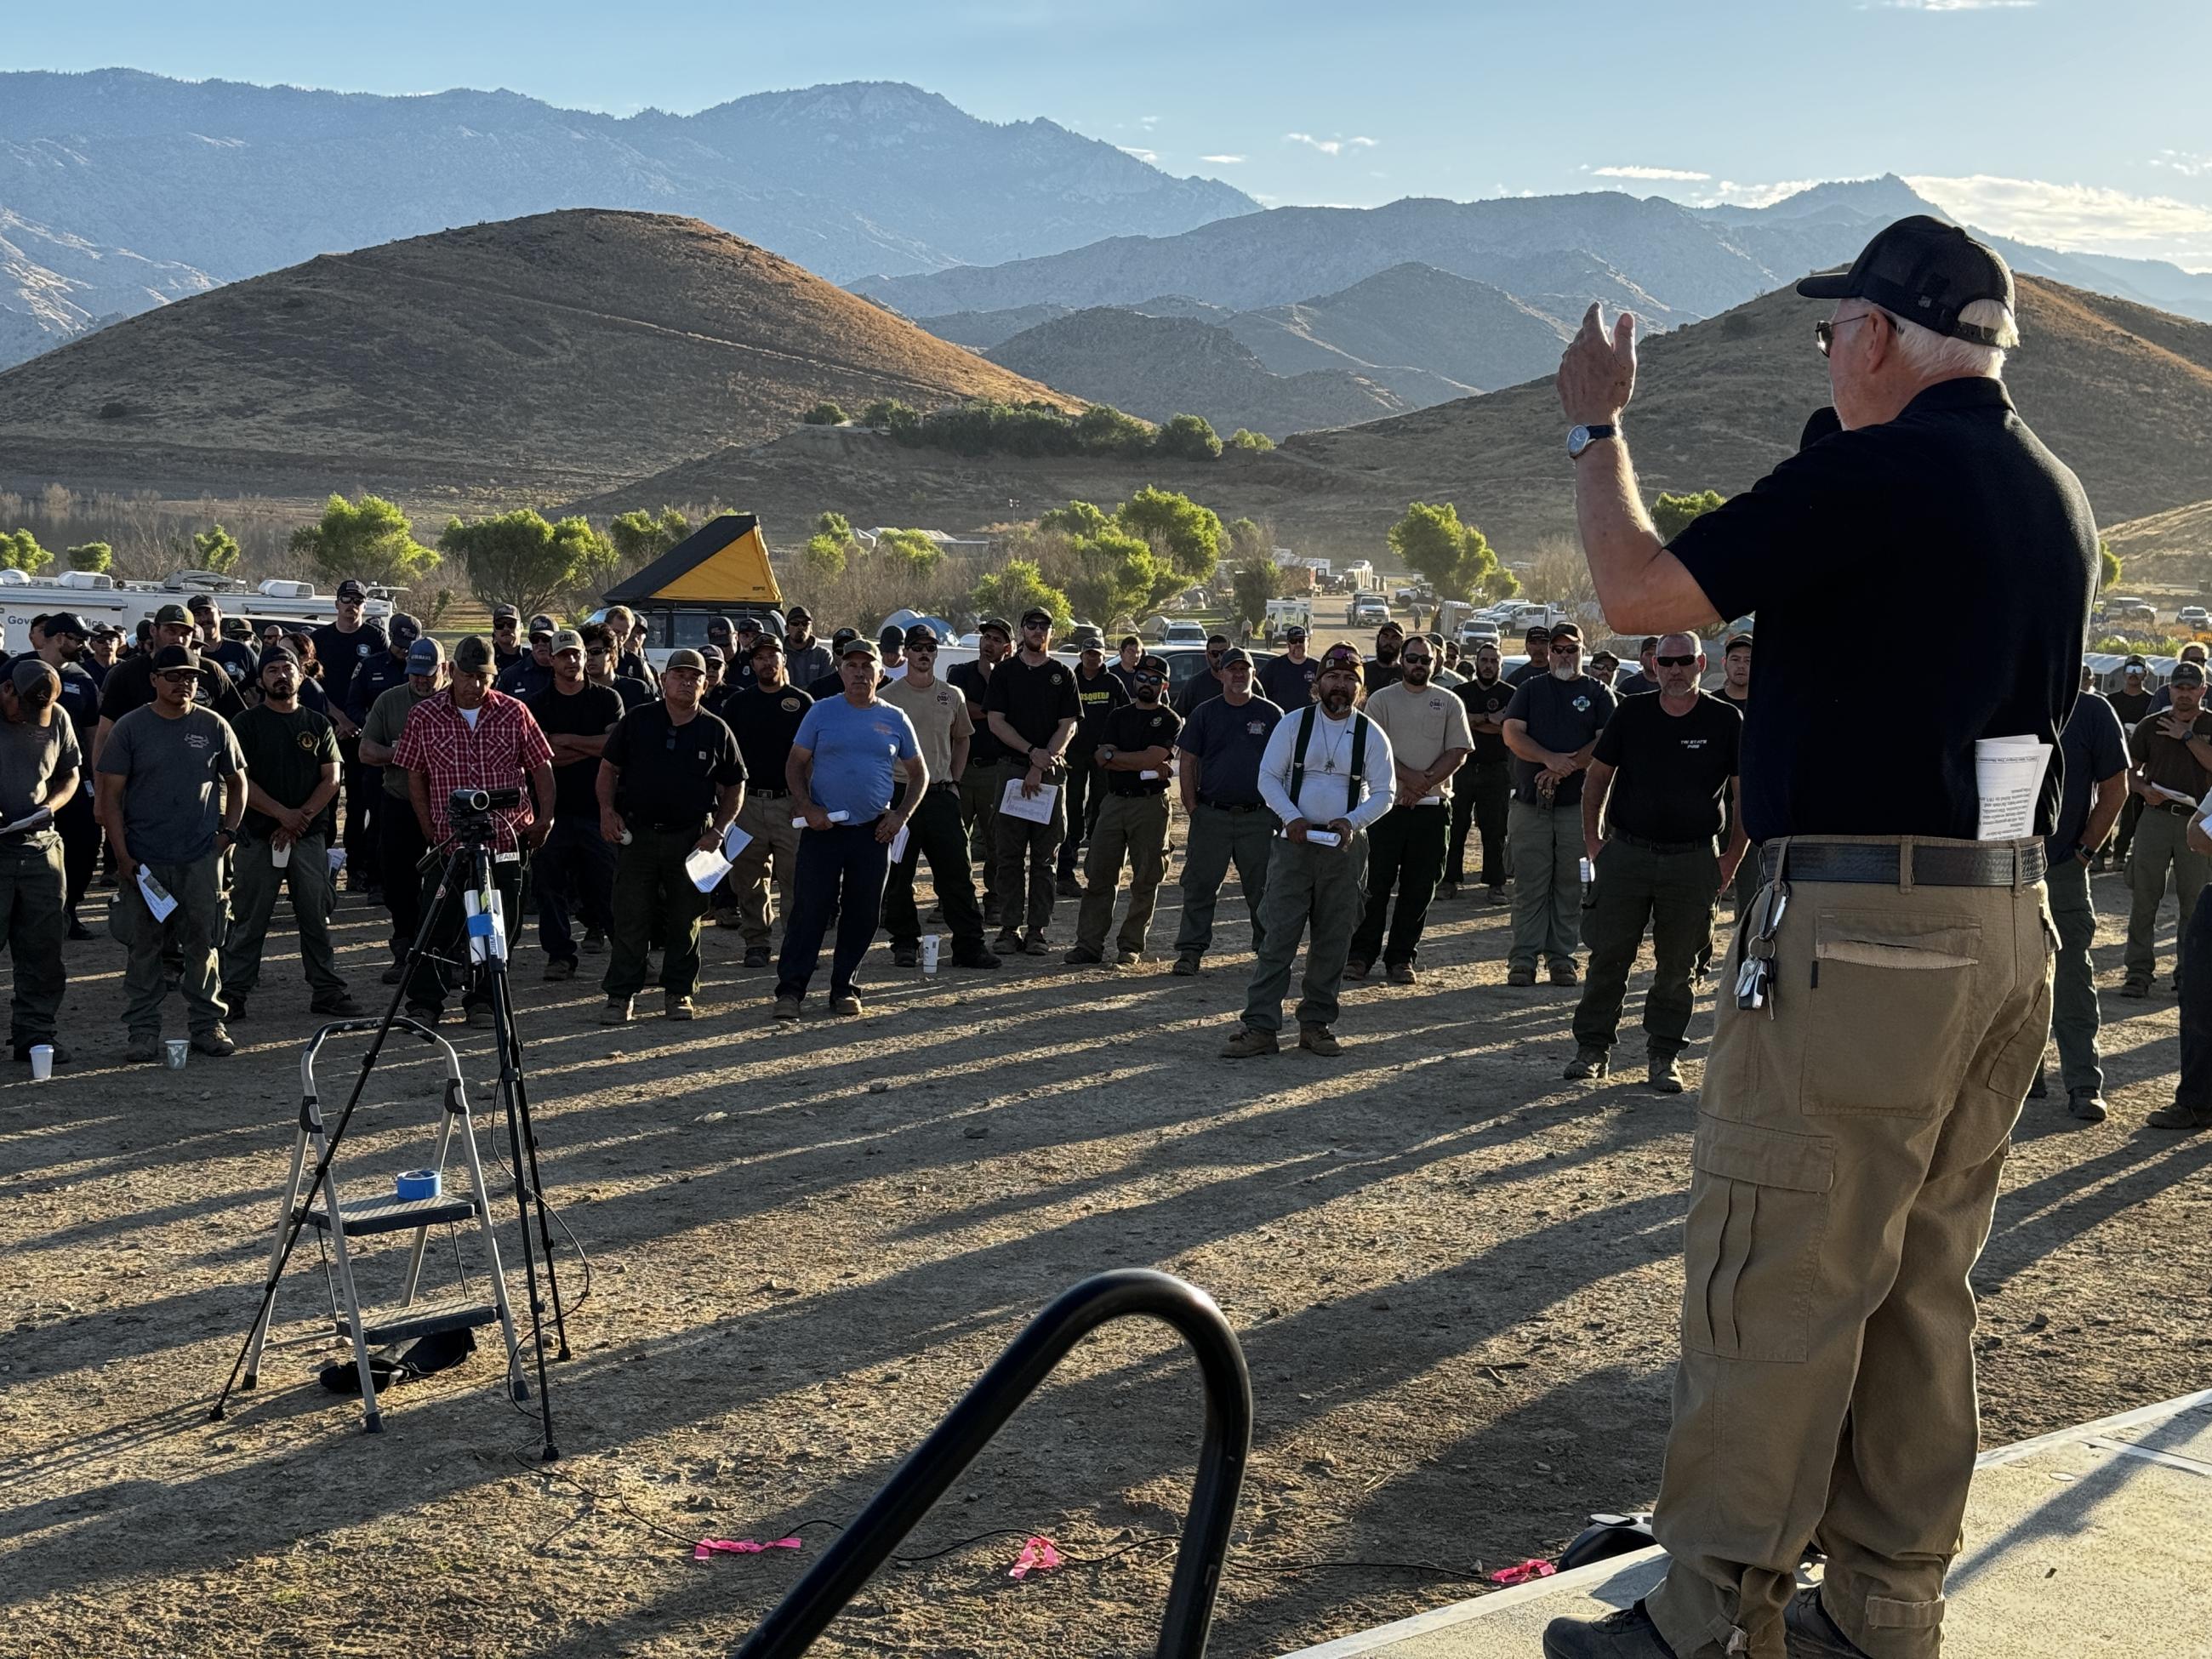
1335 744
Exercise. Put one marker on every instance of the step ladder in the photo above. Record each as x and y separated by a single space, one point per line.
340 1220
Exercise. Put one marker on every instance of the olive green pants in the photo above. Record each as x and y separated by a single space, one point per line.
2076 1018
1546 849
1134 827
2161 844
773 851
1844 1171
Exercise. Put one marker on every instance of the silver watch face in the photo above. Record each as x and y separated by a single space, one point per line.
1577 440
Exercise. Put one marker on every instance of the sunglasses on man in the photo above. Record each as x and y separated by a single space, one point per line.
1690 661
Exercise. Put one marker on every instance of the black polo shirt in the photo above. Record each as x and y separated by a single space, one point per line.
1957 491
341 653
1132 725
1671 770
672 773
1034 700
1563 715
371 680
765 722
1486 703
984 749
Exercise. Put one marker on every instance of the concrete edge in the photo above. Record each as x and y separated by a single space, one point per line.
1587 1579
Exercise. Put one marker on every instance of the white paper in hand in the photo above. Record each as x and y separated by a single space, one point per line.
2008 778
37 820
899 842
1037 808
158 900
800 823
705 868
734 841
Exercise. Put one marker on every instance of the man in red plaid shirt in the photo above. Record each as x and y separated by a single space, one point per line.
471 737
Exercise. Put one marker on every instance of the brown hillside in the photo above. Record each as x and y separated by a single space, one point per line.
554 354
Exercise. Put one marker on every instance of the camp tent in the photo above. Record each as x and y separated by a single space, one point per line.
720 568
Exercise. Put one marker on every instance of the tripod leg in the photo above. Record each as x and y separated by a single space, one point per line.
520 1095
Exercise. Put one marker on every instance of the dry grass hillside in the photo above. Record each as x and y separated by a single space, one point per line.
549 355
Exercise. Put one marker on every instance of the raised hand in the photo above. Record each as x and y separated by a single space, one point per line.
1597 372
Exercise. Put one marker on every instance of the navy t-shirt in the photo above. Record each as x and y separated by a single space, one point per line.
1229 740
1563 715
2092 749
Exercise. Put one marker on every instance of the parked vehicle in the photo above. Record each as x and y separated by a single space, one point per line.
98 598
1185 633
1366 610
2194 615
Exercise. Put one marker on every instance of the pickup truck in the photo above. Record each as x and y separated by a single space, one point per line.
1366 610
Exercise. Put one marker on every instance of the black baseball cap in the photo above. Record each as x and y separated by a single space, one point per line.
1566 631
1925 271
203 602
501 613
351 589
1537 631
2135 663
719 627
169 615
797 613
2186 673
1733 640
891 638
401 629
542 624
1294 632
837 640
175 656
921 636
1236 653
67 622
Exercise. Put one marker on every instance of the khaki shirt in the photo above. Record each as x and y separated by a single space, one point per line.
2166 760
941 719
1421 725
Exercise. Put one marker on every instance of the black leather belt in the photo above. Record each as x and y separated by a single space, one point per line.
770 794
1231 805
1648 845
2175 807
1875 865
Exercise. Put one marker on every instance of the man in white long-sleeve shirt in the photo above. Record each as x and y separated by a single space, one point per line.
1328 770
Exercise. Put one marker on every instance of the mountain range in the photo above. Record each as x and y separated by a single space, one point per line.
228 180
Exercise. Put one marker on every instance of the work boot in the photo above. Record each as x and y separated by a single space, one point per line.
1520 978
1447 890
393 975
1355 969
1628 1634
2137 988
2040 1087
619 1010
756 956
559 967
1663 1075
1186 964
233 1005
787 1008
1036 945
1008 943
1126 957
1401 973
424 1014
1083 957
338 1004
674 1005
1809 1633
143 1045
214 1043
1249 1042
1563 972
2087 1104
1497 896
2177 1116
77 930
1589 1062
974 956
905 956
595 939
480 1016
1317 1039
990 910
1069 887
844 1002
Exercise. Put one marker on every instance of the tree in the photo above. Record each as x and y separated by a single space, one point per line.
1009 591
1455 558
824 413
91 555
1500 583
216 548
521 559
1249 541
2108 566
1671 514
1245 439
887 415
833 524
914 546
1188 438
1102 429
1189 534
20 550
1077 519
640 537
370 541
824 556
1257 581
1114 573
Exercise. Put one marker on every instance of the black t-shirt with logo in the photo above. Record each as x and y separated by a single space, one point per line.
285 755
130 684
340 653
672 773
1099 697
1289 685
1671 770
587 712
1034 700
765 723
1133 725
984 749
1486 703
1563 715
236 659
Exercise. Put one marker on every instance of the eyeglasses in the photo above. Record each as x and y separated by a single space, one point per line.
1413 661
1676 662
1035 622
177 676
1824 332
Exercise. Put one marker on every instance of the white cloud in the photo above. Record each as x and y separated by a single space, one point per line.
1141 154
2190 164
1329 146
2089 218
1222 161
1365 143
1753 196
1148 122
1645 172
1958 5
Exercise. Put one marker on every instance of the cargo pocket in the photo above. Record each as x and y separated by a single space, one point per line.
1758 1208
1887 1009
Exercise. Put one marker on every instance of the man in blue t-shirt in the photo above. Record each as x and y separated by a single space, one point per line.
1221 746
846 759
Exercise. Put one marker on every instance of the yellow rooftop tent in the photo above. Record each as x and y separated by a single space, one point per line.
725 562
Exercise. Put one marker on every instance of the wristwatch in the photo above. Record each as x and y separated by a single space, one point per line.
1108 750
1582 437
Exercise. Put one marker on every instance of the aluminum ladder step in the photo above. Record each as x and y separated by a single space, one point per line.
384 1213
424 1319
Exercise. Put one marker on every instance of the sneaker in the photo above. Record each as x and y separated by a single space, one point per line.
1447 890
1811 1634
1069 887
619 1010
214 1042
1355 969
674 1005
978 958
561 968
143 1046
1498 896
1520 978
756 956
1186 965
22 1050
905 956
1126 957
595 940
341 1005
845 1003
1083 957
2088 1105
1663 1075
990 910
787 1008
480 1016
1401 973
1249 1043
393 975
1036 945
2177 1116
234 1007
1628 1634
1319 1040
2137 988
1565 972
1588 1063
2039 1088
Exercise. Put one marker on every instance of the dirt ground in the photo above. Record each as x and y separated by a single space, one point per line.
1455 1279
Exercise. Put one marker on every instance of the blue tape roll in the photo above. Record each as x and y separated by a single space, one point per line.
417 1184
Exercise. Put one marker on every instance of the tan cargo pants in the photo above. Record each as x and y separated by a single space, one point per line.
1845 1170
773 850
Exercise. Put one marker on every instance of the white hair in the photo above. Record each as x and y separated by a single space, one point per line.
1935 355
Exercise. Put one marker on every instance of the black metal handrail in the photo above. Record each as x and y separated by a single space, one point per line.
934 1466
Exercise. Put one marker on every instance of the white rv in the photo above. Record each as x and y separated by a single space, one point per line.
101 598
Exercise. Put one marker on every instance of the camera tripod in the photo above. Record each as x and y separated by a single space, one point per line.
467 875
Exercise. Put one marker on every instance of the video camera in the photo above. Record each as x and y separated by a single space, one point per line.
471 809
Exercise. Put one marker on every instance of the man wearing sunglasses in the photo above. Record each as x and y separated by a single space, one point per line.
1430 741
1890 994
1136 764
1032 707
938 712
131 685
1100 690
1551 727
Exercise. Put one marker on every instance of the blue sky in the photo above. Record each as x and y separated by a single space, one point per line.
2075 122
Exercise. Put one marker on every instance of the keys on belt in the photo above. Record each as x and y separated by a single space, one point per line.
1754 980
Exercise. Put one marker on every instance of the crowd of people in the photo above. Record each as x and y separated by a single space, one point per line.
218 772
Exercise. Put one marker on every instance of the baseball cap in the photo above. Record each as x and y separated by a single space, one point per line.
201 602
1236 653
2186 673
797 613
1151 664
711 653
473 654
1294 632
749 625
31 673
67 622
567 639
2137 662
280 654
891 638
857 646
172 614
685 657
1925 271
921 635
1090 645
401 629
351 589
1733 640
1566 631
1538 631
175 656
501 613
424 656
541 624
767 642
837 640
1005 628
1037 613
237 628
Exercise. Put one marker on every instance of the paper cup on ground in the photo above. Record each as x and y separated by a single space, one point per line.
42 1061
173 1051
